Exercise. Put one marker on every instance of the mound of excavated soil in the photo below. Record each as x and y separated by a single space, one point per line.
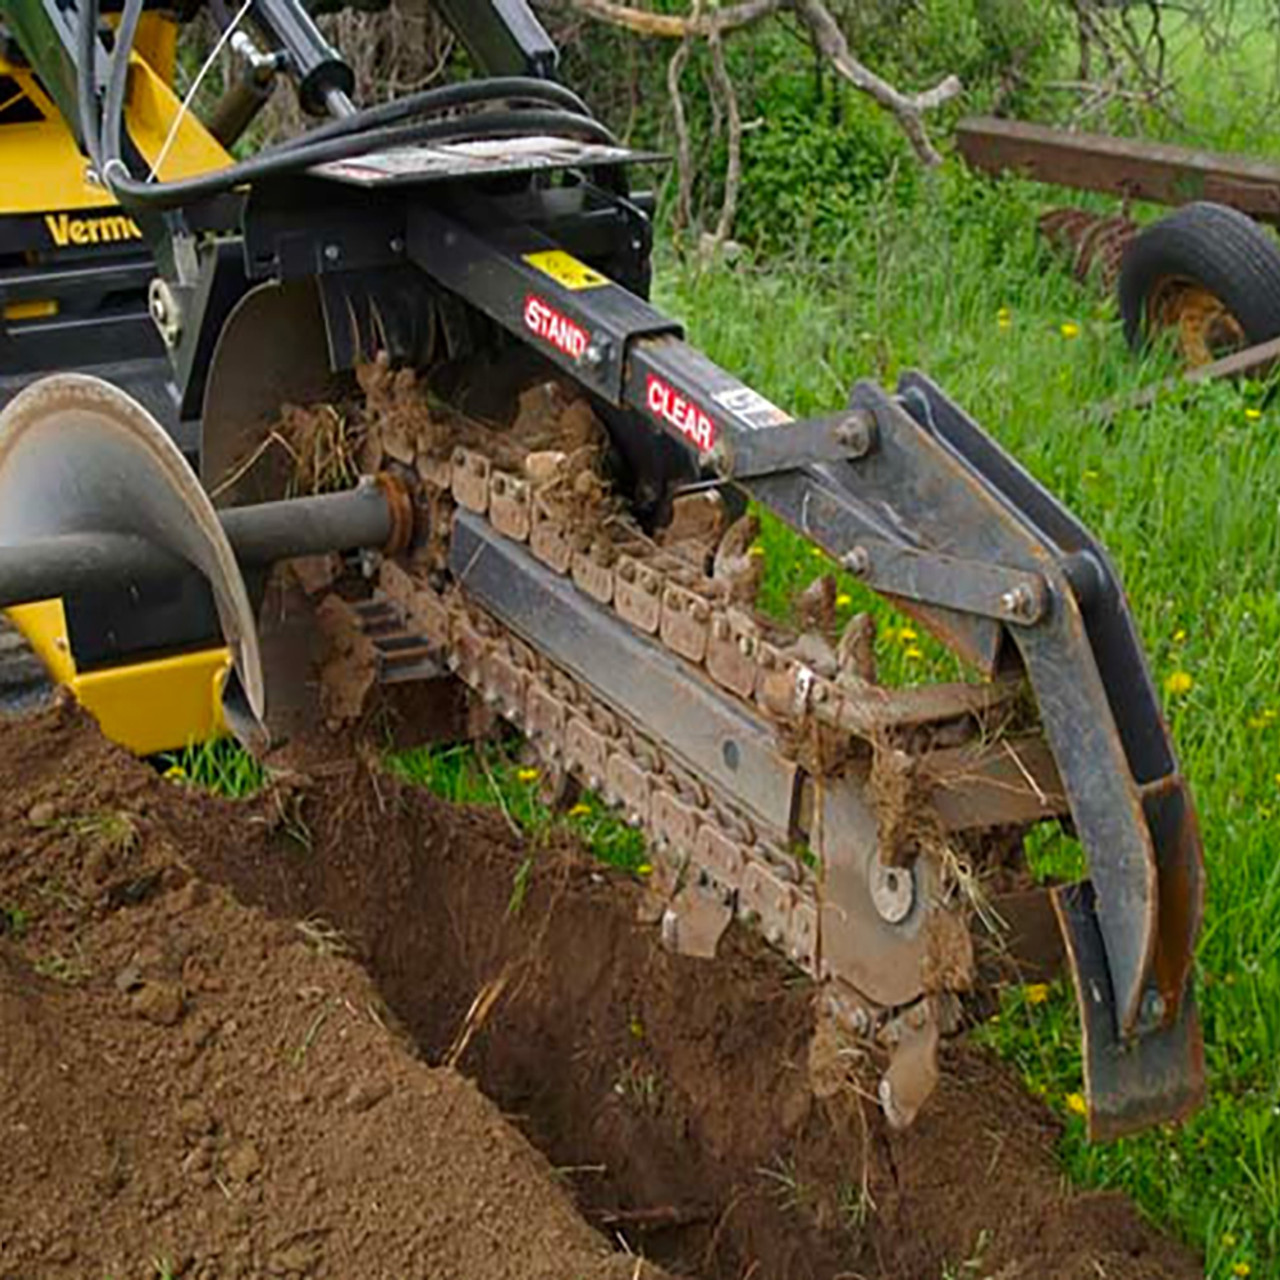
186 1083
185 1078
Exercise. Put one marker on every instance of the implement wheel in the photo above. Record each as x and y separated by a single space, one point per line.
1209 274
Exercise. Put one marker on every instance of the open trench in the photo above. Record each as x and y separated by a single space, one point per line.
685 1103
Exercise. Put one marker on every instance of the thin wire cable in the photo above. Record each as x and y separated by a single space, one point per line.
226 35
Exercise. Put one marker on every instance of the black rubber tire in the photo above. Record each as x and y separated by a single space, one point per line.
1219 248
25 685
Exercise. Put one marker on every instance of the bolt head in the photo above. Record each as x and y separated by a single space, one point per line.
856 434
857 562
1153 1008
1019 602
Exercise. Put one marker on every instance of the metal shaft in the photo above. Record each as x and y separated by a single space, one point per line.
48 568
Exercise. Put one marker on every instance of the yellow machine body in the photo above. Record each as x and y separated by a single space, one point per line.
44 170
166 702
159 705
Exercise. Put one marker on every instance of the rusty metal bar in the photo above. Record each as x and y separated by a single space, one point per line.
1256 361
1131 168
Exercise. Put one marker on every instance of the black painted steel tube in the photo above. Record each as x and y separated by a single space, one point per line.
48 568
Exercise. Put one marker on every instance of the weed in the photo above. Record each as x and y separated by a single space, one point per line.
14 921
114 831
639 1088
69 969
971 1268
322 937
791 1192
220 765
519 887
855 1205
299 1055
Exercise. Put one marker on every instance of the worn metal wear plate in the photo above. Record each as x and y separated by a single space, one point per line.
480 158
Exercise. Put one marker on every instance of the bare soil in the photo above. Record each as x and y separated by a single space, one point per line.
323 1033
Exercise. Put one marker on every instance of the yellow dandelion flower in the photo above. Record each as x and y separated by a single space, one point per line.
1278 779
816 552
176 772
844 599
1037 993
1069 329
1004 318
1178 682
645 869
580 810
907 634
527 775
1228 1240
1076 1104
1253 414
1179 636
755 551
914 651
1241 1269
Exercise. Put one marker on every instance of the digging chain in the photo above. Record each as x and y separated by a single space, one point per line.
712 862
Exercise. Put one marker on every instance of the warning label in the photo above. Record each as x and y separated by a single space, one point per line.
545 322
672 406
751 408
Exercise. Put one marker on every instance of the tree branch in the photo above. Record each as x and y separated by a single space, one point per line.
673 27
733 168
907 108
829 39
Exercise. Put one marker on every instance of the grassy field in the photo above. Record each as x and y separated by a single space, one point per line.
1187 498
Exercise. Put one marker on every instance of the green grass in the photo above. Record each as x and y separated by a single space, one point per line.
493 775
221 766
1185 498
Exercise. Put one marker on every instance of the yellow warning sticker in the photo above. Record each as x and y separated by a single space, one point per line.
566 270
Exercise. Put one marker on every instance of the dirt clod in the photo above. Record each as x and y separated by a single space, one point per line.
273 1111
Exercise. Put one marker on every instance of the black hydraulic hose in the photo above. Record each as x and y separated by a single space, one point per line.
484 125
443 98
86 90
117 83
341 140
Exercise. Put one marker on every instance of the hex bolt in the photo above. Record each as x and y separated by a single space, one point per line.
720 459
857 562
596 353
857 434
1019 603
1153 1008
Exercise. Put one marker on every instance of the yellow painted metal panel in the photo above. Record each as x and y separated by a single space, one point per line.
44 172
158 705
